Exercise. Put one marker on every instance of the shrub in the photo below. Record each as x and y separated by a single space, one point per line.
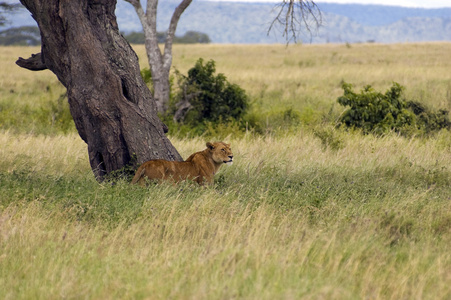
429 120
379 113
146 75
375 112
211 97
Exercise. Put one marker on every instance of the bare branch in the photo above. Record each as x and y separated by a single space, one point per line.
294 16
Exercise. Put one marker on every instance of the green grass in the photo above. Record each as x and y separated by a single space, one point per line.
305 212
289 219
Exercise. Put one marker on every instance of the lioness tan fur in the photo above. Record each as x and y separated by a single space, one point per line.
200 166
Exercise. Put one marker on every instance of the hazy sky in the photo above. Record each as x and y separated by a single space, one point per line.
406 3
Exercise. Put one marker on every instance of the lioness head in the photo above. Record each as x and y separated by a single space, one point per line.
220 152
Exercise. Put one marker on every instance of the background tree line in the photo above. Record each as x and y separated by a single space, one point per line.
190 37
29 36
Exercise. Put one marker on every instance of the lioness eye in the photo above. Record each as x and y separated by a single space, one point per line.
223 149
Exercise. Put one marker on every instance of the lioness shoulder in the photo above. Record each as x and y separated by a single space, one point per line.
200 166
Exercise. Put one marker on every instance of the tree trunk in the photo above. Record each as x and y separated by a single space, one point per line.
113 110
160 63
160 73
161 91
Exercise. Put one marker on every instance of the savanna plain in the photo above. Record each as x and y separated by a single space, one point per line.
307 210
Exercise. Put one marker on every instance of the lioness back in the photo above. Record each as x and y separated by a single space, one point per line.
160 169
200 166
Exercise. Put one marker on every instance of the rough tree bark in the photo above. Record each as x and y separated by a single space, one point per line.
113 110
160 63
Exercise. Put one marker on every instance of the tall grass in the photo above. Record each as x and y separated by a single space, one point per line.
309 213
289 219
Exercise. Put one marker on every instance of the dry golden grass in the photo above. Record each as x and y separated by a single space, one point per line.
64 235
23 86
57 155
295 217
311 75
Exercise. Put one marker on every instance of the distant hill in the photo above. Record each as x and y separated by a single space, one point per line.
232 22
385 24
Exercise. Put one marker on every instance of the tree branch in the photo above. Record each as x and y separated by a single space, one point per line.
34 63
171 31
151 13
140 12
293 15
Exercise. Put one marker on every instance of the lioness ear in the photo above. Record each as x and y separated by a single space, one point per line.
210 146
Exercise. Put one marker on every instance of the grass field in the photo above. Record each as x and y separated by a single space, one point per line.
312 212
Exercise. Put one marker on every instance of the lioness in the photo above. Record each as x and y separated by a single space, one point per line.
200 166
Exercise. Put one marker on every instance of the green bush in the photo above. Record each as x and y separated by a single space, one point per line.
212 98
146 75
429 120
374 112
